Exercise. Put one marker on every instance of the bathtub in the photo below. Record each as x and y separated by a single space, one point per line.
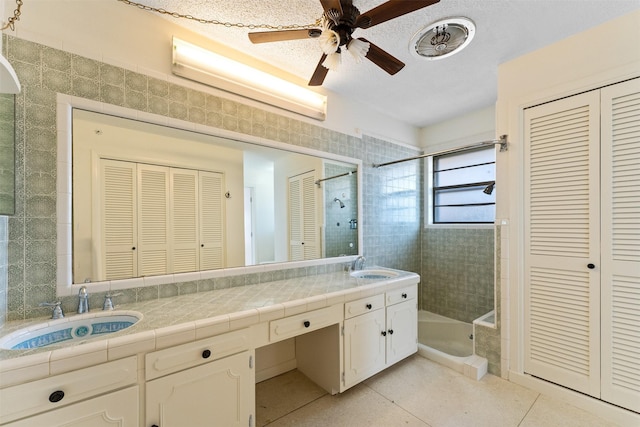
449 342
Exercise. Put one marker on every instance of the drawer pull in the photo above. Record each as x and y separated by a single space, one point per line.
206 354
390 331
404 295
384 333
369 306
306 323
56 396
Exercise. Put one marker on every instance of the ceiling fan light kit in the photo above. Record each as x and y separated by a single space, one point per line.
340 19
442 38
207 67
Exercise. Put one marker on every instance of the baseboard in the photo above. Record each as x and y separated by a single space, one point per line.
274 371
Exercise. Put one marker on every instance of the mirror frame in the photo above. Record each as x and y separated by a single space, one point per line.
8 152
64 281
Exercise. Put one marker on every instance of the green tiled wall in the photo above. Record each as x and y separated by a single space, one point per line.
458 276
391 236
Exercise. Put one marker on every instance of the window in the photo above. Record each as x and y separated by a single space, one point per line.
399 187
463 187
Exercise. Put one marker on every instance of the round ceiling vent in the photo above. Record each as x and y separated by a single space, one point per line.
443 38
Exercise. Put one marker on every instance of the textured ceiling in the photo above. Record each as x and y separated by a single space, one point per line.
424 92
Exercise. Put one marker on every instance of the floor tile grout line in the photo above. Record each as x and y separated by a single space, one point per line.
297 409
395 404
529 410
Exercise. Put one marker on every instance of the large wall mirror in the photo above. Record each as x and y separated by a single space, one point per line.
7 154
155 200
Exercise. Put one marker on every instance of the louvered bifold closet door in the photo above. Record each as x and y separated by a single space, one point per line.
212 220
562 235
153 220
621 244
184 220
117 211
296 226
311 236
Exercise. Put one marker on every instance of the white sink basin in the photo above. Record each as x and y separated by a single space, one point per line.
377 274
69 329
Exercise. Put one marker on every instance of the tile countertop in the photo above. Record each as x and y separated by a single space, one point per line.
186 318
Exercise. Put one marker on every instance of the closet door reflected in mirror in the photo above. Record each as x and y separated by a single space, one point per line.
172 201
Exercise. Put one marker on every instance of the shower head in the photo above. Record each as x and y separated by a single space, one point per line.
339 201
489 188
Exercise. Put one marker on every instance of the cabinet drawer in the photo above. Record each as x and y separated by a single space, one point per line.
403 294
364 305
119 406
174 359
306 322
50 393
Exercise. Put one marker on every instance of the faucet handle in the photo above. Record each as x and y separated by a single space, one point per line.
57 309
108 303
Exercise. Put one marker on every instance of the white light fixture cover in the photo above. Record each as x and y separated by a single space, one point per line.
210 68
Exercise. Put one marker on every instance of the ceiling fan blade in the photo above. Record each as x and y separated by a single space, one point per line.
382 59
331 4
390 10
319 74
283 35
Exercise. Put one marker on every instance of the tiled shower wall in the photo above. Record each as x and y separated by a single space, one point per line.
391 223
487 338
3 269
458 272
340 237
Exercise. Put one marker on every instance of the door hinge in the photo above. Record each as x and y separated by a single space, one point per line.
342 330
250 420
250 362
342 377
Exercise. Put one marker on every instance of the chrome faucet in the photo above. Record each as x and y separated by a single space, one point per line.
83 300
358 263
57 309
108 302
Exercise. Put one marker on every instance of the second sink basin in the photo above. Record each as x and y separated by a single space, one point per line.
72 328
374 273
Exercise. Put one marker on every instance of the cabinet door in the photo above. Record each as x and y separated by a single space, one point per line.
364 346
621 244
212 220
304 234
153 220
562 242
220 393
402 331
118 212
184 220
117 409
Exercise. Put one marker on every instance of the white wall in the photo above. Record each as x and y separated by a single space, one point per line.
602 55
469 128
259 175
126 36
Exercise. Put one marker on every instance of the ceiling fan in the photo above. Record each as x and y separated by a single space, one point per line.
340 19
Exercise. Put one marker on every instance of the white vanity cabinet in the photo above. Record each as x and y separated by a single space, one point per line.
378 332
203 383
102 395
402 323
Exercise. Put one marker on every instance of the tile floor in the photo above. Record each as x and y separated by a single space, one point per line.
415 392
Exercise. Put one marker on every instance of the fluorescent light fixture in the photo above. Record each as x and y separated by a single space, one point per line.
204 66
